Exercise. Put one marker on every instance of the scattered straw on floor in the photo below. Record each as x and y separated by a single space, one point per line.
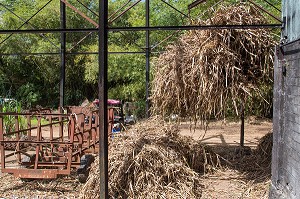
153 160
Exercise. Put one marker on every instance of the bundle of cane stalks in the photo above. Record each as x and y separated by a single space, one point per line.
153 161
207 71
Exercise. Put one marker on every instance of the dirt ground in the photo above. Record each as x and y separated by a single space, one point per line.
230 182
225 183
228 133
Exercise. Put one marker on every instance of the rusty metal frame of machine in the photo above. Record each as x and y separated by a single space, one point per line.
50 148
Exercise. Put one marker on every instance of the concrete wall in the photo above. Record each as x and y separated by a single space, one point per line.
291 20
286 123
286 107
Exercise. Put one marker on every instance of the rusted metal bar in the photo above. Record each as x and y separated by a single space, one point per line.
39 173
1 143
41 142
264 10
175 8
28 127
83 149
35 114
61 126
90 129
123 6
80 13
80 134
15 152
51 133
110 119
195 3
33 128
71 138
122 13
51 128
38 146
87 8
17 137
95 132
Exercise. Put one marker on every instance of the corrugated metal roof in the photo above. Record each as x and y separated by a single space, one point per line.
291 18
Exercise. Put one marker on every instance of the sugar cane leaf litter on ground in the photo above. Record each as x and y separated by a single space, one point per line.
196 77
152 159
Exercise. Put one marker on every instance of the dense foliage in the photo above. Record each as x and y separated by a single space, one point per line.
34 79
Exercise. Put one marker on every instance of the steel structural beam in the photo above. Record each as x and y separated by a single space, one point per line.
195 3
147 5
70 53
194 27
153 28
62 56
103 125
37 31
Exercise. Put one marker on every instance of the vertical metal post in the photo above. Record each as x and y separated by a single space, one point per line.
2 152
147 57
62 54
242 124
17 137
103 126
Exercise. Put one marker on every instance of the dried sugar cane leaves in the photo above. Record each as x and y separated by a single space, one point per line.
206 71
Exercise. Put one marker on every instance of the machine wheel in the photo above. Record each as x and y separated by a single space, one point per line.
82 177
84 169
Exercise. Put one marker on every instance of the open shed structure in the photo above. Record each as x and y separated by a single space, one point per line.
286 117
102 29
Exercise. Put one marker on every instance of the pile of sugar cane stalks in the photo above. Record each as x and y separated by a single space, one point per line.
153 161
207 71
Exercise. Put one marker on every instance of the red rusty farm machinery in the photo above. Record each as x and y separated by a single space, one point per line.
44 145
